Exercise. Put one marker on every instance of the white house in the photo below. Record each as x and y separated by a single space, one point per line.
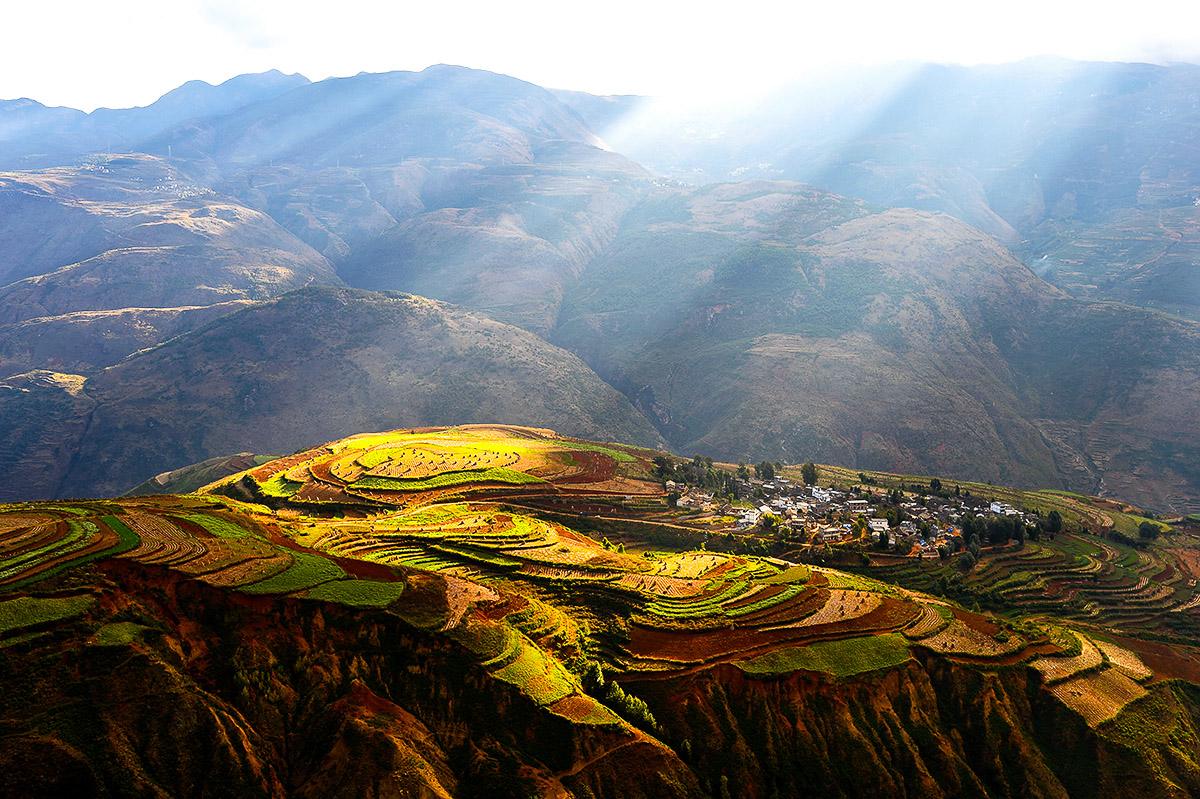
878 525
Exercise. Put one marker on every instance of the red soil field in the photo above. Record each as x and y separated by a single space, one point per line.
1165 660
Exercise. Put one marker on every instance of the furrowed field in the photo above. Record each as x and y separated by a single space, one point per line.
509 528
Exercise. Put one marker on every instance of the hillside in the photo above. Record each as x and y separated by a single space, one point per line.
131 231
1089 165
509 240
312 364
100 260
796 324
1144 257
444 609
761 318
83 342
187 479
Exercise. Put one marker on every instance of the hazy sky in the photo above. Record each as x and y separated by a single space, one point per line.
129 52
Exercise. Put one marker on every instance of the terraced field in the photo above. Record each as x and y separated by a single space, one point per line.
1093 580
474 515
415 467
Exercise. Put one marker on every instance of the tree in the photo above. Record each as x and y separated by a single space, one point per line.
743 471
809 473
1054 523
1148 531
966 562
664 467
935 485
764 470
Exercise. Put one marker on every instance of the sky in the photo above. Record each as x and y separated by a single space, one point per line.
129 52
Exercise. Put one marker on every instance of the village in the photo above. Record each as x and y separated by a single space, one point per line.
925 524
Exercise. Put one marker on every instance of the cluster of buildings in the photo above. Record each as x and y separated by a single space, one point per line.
918 526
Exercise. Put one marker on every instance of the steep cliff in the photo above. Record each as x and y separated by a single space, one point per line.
174 688
930 728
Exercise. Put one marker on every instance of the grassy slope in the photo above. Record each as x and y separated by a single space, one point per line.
320 364
839 658
795 328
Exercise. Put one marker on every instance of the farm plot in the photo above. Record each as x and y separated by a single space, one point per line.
511 656
698 606
422 461
1098 696
959 638
538 675
65 544
760 601
842 658
933 619
161 542
29 611
305 572
842 606
445 480
23 539
11 523
249 571
1124 661
444 536
357 593
397 466
688 565
661 585
1056 669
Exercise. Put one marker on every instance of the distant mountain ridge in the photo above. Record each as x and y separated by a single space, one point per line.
34 136
1049 156
754 318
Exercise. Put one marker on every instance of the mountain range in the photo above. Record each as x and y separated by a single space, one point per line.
1011 297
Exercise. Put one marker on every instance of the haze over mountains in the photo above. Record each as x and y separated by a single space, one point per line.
1088 170
984 298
